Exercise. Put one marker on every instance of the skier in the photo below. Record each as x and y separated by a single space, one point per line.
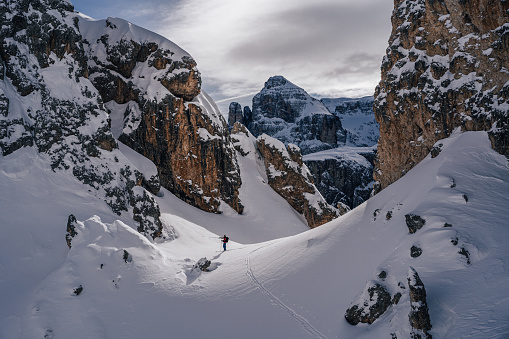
225 240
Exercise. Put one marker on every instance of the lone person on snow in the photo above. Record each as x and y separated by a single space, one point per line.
225 240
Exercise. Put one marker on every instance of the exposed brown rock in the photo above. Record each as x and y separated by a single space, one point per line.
191 148
291 179
199 171
445 68
184 85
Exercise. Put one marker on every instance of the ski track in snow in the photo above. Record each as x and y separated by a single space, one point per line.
303 321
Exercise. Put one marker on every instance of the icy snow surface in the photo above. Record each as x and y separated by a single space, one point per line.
296 286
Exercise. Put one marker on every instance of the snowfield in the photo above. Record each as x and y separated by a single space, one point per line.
276 280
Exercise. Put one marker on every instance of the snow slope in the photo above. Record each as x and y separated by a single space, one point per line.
292 287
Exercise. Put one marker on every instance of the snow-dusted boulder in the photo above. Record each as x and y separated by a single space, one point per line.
373 302
414 222
202 265
289 177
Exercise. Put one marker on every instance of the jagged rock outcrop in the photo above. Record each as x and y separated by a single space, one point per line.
357 118
414 222
248 116
419 316
287 113
446 67
343 175
202 264
238 114
47 102
235 114
153 90
71 229
373 302
290 178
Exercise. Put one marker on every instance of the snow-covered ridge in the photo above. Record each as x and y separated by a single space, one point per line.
119 29
280 287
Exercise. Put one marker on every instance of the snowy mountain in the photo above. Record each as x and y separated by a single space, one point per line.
288 113
283 110
98 242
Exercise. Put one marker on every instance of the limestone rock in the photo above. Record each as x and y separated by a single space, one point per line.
203 264
71 229
289 177
166 117
42 45
373 302
446 67
286 112
414 222
343 175
235 114
248 116
419 316
357 118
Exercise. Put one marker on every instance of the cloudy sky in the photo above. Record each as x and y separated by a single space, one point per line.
331 48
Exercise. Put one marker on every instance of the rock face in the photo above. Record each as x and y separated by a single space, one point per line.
235 114
153 90
55 76
357 118
343 175
290 178
419 316
287 113
446 67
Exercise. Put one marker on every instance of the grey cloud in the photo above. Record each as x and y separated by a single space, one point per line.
358 63
316 33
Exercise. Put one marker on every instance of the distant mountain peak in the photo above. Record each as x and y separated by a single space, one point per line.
277 81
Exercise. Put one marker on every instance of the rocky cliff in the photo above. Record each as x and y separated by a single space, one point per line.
343 175
235 114
357 118
446 67
289 177
47 102
286 112
153 91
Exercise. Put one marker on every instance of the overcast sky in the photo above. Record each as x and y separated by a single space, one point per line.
331 48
